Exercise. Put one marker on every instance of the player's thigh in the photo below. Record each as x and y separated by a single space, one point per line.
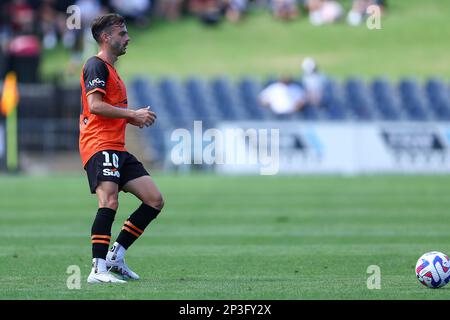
145 189
100 168
107 194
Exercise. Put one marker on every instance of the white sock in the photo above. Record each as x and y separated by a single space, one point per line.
99 265
118 251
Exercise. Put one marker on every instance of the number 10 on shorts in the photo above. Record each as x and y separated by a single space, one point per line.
115 160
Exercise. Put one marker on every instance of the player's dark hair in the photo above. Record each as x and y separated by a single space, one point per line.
104 22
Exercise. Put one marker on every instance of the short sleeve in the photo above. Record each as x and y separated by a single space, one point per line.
95 75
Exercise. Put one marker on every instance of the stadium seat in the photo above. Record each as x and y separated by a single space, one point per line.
141 88
438 98
196 98
413 100
144 93
385 100
309 113
172 100
199 98
358 101
179 104
227 100
249 90
332 101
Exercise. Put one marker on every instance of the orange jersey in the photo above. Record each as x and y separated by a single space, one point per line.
98 133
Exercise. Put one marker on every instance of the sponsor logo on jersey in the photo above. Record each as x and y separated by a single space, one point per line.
96 81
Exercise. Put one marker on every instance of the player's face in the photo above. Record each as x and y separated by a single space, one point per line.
119 39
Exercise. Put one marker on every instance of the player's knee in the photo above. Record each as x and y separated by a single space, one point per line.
160 203
156 202
109 202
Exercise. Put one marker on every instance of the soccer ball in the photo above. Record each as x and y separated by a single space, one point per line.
433 269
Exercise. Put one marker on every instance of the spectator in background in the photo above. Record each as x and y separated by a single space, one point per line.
169 9
5 35
283 97
49 25
209 12
84 43
20 46
284 9
235 9
21 17
24 53
136 10
358 13
68 36
324 11
313 81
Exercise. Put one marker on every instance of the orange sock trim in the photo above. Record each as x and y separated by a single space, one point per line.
131 231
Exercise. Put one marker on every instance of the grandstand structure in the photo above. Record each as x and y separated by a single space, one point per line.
418 114
178 103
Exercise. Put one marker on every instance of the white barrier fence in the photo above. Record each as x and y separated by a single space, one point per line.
349 148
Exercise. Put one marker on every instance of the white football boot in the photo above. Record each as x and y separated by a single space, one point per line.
115 263
99 274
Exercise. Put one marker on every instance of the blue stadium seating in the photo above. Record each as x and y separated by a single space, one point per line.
332 101
178 103
227 100
309 113
197 97
358 101
439 98
222 95
146 94
385 100
139 86
249 90
172 96
412 100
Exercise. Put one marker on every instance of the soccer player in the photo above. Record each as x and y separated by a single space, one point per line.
109 167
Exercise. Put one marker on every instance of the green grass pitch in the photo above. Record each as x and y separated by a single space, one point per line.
232 237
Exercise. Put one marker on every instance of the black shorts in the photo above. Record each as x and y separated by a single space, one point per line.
116 166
